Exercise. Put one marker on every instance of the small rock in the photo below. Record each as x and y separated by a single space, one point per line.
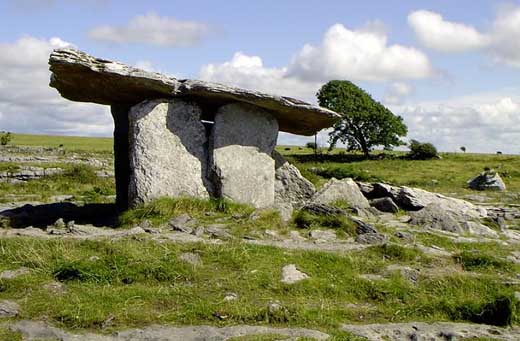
385 205
59 224
70 225
217 231
362 227
94 258
55 287
11 274
198 231
295 236
291 275
371 238
146 224
320 235
230 297
404 236
275 307
272 233
408 273
191 258
9 309
183 223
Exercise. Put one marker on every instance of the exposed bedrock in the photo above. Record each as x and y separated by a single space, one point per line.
243 139
168 151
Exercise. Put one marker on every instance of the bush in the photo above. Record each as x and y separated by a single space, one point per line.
311 145
82 174
498 312
5 138
422 151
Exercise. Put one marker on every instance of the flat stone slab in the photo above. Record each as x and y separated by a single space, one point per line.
431 331
83 78
35 330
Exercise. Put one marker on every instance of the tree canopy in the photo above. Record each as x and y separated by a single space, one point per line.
365 123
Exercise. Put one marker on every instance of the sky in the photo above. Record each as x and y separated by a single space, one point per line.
449 68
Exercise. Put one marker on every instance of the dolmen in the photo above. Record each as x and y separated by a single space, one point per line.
191 138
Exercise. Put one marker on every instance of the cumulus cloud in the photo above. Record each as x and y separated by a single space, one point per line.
397 92
154 30
483 123
436 33
29 105
249 72
501 40
358 55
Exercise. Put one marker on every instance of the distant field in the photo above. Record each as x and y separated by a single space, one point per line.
73 143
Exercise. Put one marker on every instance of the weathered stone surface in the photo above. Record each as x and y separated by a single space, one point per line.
37 330
243 139
191 258
290 186
11 274
385 205
291 275
438 331
83 78
345 189
9 309
323 235
414 199
435 216
371 238
167 151
323 209
488 180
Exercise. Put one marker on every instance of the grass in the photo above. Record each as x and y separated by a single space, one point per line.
448 175
140 282
68 143
78 180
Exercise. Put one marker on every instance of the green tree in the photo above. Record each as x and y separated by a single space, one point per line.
365 123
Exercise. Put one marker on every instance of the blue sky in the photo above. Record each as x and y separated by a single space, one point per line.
450 68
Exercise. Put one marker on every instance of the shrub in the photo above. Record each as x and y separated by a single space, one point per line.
304 220
5 138
422 151
311 145
479 261
498 312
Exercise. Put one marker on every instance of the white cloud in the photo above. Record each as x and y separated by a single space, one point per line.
249 72
505 37
482 122
153 29
358 55
438 34
501 41
29 105
397 92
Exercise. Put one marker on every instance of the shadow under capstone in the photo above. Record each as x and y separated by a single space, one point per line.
44 215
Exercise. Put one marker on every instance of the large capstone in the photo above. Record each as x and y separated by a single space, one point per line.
168 154
243 140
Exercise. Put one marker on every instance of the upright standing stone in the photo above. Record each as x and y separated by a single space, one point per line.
243 140
167 151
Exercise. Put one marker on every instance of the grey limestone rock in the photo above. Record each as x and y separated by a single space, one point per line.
488 180
243 139
9 309
344 189
83 78
385 204
291 275
168 156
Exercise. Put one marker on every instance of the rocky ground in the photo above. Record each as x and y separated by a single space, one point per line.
446 237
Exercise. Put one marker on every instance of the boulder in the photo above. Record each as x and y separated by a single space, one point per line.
167 151
488 180
291 275
243 139
290 186
371 238
434 216
9 309
415 199
83 78
345 190
385 204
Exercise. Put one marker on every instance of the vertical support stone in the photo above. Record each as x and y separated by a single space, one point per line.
168 151
121 154
243 140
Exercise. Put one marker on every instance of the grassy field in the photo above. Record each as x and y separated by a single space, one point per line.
69 143
107 285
